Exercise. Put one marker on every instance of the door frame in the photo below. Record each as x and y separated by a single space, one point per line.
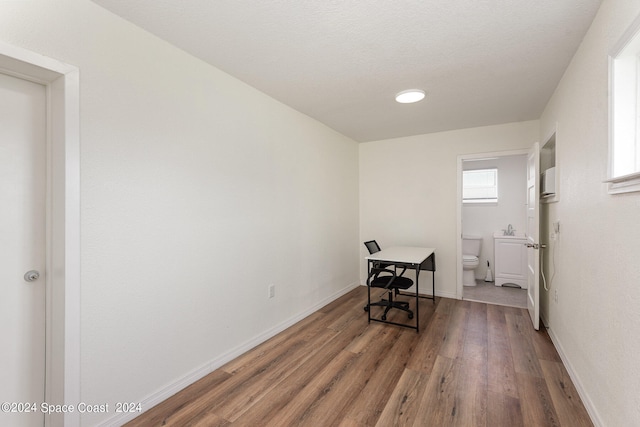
62 369
534 250
461 159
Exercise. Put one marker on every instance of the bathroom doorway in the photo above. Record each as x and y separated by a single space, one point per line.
492 204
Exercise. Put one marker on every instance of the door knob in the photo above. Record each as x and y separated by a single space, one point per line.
31 276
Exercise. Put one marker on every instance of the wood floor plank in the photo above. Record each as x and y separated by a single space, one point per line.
283 393
535 402
566 400
332 392
368 405
544 347
472 364
432 338
369 336
227 399
438 404
262 378
472 367
525 359
266 350
348 422
501 374
504 410
476 330
343 317
347 301
453 341
474 358
186 401
402 406
208 420
309 406
470 404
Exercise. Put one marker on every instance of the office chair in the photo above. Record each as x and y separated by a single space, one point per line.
391 281
388 279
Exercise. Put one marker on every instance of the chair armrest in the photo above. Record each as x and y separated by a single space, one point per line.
404 268
375 272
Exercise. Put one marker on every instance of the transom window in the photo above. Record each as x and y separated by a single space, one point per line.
480 186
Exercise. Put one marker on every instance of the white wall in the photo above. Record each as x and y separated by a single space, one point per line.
485 219
408 193
197 192
596 321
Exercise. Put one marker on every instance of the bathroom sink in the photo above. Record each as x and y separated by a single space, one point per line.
500 235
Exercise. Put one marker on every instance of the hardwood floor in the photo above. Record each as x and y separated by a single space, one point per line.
472 364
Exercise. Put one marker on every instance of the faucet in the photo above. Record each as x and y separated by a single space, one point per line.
509 231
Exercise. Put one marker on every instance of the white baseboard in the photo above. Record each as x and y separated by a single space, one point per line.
446 295
586 400
159 396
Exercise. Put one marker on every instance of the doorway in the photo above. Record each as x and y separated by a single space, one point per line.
62 229
486 219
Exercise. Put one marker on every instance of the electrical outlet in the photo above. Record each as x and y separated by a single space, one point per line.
272 291
555 295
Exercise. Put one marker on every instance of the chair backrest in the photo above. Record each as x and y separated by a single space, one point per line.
372 246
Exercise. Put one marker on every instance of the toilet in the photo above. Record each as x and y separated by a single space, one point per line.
470 261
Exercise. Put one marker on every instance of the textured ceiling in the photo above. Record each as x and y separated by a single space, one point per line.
481 62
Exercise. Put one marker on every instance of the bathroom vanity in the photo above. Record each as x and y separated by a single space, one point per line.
510 262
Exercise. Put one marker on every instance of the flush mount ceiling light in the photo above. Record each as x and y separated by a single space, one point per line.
410 96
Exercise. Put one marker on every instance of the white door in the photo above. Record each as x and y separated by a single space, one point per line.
533 235
22 249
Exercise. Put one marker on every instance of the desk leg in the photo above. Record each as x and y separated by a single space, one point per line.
433 280
433 276
417 299
369 290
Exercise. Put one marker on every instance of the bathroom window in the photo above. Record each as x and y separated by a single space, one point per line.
480 186
624 113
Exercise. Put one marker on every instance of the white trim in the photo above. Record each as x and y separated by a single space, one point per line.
624 184
553 134
442 294
624 178
586 400
63 222
191 377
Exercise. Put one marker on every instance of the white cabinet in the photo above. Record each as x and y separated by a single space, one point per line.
510 260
